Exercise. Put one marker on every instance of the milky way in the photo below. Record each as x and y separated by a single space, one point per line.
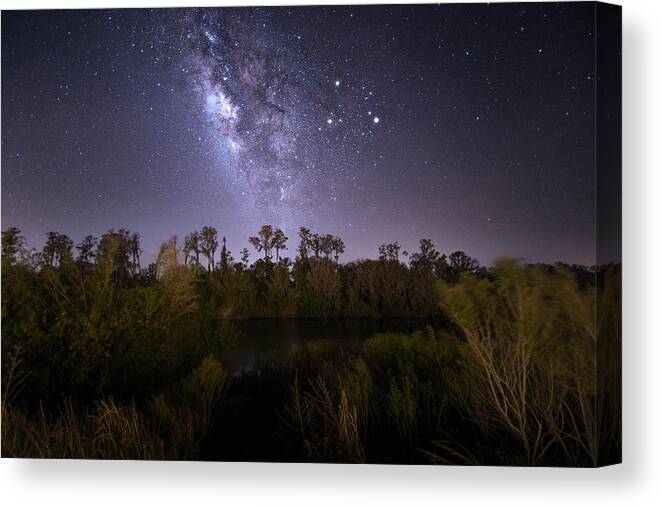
467 124
279 120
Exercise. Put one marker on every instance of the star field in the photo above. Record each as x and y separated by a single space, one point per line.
471 125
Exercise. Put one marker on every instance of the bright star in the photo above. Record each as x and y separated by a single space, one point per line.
376 119
337 83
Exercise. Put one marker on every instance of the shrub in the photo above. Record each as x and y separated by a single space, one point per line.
205 386
528 357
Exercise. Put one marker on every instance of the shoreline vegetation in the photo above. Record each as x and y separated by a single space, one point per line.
102 358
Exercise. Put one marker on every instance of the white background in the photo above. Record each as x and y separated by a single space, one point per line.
636 482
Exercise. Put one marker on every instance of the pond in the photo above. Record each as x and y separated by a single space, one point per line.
254 409
261 336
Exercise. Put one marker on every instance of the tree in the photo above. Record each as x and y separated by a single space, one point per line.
225 258
186 250
279 242
177 283
263 241
315 244
338 248
421 291
134 248
441 267
279 292
321 293
57 248
389 252
425 259
168 257
305 243
326 244
113 251
459 263
192 248
209 245
13 243
245 258
87 250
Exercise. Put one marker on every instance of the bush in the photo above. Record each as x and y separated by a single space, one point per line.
528 358
205 386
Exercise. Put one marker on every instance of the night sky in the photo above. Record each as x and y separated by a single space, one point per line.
471 125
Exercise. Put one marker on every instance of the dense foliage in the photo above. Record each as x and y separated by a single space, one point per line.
104 359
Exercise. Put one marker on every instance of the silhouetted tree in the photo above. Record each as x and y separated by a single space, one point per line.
57 248
87 250
338 248
458 263
424 259
192 248
315 244
461 262
305 243
225 258
245 258
279 242
326 245
13 243
389 252
134 247
209 245
441 267
263 242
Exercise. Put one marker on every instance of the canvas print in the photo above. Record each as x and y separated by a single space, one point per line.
382 234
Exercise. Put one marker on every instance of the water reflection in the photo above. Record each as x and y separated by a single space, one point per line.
264 336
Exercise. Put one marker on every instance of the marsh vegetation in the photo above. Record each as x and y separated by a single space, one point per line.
430 360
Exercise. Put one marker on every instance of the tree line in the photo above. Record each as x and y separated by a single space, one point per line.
314 284
128 359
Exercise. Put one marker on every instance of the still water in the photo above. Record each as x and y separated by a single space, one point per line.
257 337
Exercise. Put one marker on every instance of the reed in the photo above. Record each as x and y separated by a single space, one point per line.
162 429
327 424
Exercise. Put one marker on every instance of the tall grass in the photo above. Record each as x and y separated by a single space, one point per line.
609 366
106 431
161 429
327 424
404 408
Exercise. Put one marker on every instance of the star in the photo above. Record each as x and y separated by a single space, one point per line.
260 125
